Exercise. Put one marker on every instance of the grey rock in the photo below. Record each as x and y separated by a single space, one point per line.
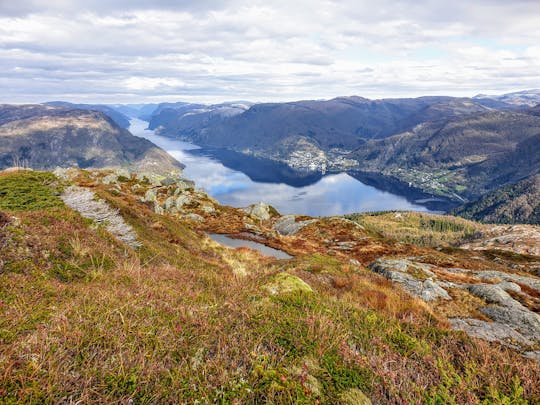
167 181
403 265
287 225
253 228
509 286
533 354
346 245
491 331
493 294
86 203
432 291
427 290
110 179
528 281
184 199
522 320
259 211
208 209
169 204
193 217
158 209
61 173
150 195
184 184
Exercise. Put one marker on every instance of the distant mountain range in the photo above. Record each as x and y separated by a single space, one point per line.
520 99
459 149
121 119
46 136
456 148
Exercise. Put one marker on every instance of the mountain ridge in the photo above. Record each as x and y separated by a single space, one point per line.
44 137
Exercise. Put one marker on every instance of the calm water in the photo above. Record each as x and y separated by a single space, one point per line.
334 194
234 243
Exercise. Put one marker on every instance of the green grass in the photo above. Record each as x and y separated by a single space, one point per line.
85 319
29 191
418 228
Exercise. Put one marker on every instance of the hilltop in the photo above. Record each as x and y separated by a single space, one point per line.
111 291
44 137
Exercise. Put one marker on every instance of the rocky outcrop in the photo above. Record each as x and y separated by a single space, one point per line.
260 211
288 225
522 239
498 296
399 272
89 206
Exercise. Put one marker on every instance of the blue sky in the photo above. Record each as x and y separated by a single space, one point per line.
213 51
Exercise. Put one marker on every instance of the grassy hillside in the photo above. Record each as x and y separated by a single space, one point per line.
85 318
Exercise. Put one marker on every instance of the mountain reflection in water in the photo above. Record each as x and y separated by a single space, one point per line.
238 180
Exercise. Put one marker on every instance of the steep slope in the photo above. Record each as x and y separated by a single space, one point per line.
515 203
118 117
462 156
43 137
279 130
183 319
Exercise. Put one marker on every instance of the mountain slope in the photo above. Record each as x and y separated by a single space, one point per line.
43 137
117 116
278 129
515 203
184 319
467 155
519 99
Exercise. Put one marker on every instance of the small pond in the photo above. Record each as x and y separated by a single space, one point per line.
234 243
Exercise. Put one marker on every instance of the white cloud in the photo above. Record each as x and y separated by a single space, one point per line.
213 51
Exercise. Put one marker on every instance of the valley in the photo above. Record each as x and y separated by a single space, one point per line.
137 266
239 180
455 149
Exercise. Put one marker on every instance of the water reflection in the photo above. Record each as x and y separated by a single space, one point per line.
334 194
234 243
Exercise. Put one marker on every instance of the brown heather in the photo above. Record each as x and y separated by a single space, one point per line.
84 319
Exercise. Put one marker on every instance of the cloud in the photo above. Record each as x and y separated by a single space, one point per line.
212 51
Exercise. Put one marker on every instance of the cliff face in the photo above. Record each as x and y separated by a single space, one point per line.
43 137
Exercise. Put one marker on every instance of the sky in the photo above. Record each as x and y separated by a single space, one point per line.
130 51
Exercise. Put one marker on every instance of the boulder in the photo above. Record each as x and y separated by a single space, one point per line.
397 271
167 181
490 331
520 319
208 209
528 281
184 184
184 199
169 204
193 217
287 225
494 294
260 211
